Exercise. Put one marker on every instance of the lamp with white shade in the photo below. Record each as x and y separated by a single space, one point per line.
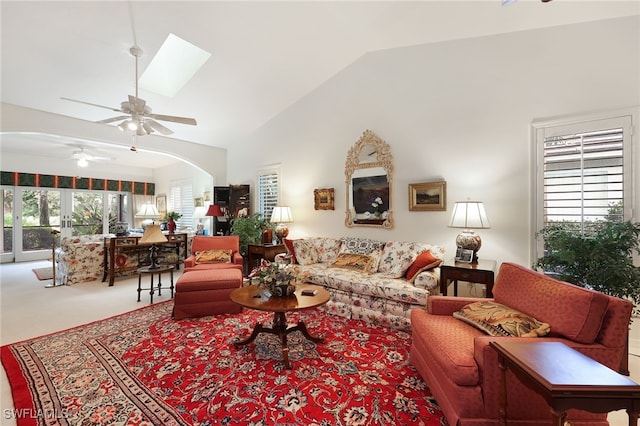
153 235
148 212
469 215
281 216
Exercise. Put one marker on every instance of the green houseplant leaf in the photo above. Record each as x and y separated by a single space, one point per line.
248 229
600 258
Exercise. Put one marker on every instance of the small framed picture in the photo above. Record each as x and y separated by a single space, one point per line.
198 202
323 199
429 196
464 255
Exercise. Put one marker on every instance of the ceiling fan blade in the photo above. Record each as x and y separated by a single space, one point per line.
95 105
111 120
173 118
158 127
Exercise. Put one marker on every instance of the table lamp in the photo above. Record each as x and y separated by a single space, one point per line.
214 211
468 215
281 215
148 212
153 235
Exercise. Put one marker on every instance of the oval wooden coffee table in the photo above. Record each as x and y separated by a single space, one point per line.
252 297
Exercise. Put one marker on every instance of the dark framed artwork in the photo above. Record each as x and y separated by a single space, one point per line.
323 199
428 196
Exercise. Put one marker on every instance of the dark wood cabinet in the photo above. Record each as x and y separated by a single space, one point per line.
256 252
231 199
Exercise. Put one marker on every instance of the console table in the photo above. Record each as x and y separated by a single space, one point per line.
566 379
124 255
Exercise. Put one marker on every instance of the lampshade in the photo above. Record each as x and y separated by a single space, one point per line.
148 211
469 215
152 235
214 210
281 215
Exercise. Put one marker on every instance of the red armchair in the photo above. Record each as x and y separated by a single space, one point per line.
462 371
201 243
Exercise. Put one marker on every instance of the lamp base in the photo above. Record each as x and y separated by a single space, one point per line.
281 232
469 240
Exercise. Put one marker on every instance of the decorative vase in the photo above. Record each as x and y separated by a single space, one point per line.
283 290
171 225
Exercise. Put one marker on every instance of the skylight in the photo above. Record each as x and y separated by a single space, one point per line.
174 65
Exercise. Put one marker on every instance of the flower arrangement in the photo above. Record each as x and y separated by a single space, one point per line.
278 278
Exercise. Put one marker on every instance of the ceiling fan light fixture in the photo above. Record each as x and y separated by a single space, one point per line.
147 127
82 162
132 125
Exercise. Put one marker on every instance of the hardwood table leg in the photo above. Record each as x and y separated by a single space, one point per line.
139 285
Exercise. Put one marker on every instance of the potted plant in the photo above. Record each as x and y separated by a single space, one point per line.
171 221
600 258
249 229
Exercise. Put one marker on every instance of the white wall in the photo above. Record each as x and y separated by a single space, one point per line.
458 111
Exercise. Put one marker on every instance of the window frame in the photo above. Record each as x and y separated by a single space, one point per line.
578 123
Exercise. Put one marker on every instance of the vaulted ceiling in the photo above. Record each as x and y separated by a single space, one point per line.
265 55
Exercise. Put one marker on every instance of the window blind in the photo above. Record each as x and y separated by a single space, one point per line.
182 202
268 192
583 180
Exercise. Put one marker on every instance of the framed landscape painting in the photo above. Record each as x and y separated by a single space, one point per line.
429 196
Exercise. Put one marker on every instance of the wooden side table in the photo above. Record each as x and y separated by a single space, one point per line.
566 379
480 272
159 270
256 252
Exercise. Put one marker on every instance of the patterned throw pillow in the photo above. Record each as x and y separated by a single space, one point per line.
496 319
354 262
327 248
359 245
305 251
423 262
397 257
213 256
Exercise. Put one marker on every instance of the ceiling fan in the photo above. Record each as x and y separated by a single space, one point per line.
139 118
84 157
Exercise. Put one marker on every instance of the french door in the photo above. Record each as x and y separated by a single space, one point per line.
34 217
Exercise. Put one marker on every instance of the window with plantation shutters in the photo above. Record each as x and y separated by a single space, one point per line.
268 191
583 173
182 202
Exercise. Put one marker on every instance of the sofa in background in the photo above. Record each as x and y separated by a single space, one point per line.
461 368
367 279
214 252
80 259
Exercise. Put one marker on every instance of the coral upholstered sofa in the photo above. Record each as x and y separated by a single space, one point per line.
461 368
214 245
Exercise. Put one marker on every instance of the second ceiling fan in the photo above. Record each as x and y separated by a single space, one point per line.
139 118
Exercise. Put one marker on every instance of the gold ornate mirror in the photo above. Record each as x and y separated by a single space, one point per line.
368 176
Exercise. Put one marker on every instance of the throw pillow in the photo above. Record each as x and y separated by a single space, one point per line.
305 251
354 262
327 248
497 319
289 245
397 257
423 262
359 245
213 256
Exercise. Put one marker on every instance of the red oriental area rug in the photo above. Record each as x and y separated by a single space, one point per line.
143 368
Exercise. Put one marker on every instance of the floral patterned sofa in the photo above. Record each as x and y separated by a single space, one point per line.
80 259
376 281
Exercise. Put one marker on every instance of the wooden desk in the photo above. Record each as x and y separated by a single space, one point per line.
480 272
566 379
256 252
